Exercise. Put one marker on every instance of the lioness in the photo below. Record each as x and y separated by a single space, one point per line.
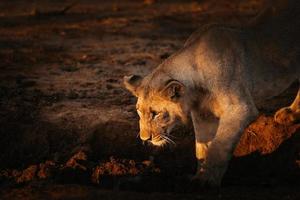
216 80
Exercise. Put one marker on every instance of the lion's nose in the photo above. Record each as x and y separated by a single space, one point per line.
145 137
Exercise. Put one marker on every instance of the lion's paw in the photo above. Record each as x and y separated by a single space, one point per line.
287 116
206 180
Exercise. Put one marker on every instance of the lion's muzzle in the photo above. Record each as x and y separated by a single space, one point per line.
145 135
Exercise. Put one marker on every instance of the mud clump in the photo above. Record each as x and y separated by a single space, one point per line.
78 169
46 170
122 167
33 172
77 161
28 174
264 136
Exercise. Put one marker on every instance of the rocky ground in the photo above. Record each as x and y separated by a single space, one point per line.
68 126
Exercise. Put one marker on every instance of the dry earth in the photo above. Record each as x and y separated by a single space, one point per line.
68 127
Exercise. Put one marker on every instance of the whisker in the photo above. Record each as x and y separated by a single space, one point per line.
169 140
166 142
164 137
172 136
172 141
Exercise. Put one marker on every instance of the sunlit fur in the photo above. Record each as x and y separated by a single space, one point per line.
158 116
222 74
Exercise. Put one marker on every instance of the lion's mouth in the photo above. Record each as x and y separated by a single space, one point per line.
162 140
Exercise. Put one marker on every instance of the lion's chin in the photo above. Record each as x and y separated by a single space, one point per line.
160 142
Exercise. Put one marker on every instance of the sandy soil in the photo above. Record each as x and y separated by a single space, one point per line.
68 126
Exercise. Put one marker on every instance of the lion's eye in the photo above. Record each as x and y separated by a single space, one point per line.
154 114
166 116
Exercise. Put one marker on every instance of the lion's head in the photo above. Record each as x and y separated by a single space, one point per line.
160 106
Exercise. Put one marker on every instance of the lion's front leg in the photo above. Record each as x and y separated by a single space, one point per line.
201 154
232 123
291 114
205 128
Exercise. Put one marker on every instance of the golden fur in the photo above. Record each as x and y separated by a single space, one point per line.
216 80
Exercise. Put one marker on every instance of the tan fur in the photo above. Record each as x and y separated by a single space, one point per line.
216 80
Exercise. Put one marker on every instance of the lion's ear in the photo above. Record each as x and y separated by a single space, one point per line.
132 83
174 90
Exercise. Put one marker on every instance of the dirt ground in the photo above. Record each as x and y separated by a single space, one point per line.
69 128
